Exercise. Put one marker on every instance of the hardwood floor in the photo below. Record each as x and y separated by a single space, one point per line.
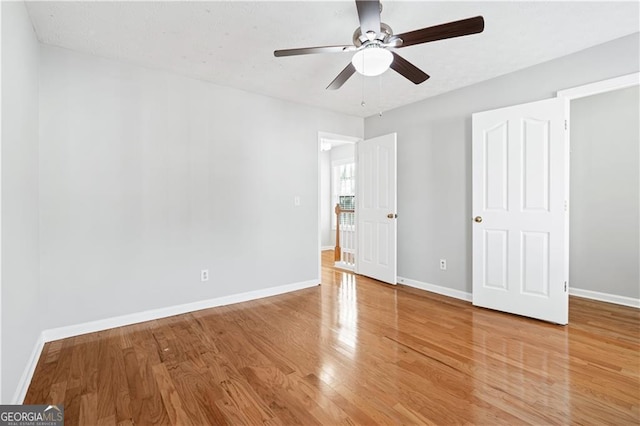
351 351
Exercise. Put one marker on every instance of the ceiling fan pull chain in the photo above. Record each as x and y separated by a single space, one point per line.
362 104
380 95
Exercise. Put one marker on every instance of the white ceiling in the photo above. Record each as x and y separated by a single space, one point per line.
231 43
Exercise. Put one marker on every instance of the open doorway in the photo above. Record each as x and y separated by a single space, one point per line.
336 172
605 190
364 205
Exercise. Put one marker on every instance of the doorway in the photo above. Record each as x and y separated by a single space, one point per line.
605 190
361 188
335 152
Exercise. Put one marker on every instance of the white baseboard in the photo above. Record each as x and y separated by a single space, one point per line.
153 314
27 374
445 291
107 323
578 292
605 297
325 248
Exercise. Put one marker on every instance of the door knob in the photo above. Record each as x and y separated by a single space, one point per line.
478 219
392 216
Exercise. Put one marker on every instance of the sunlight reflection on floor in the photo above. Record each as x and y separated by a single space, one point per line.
348 311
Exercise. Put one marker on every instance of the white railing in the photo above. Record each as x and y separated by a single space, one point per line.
345 253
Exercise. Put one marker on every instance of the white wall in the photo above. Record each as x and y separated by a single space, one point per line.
605 193
20 289
147 177
434 155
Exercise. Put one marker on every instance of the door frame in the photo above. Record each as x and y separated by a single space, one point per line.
583 91
598 87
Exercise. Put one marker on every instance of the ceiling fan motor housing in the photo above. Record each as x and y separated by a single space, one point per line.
359 39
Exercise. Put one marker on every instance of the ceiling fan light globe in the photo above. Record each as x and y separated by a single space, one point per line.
372 61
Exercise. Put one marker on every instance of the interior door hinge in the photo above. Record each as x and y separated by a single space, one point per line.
565 124
566 205
565 286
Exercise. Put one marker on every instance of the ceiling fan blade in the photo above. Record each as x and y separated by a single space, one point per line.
369 14
310 50
440 32
407 69
342 77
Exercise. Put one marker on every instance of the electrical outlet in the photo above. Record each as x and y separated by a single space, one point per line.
443 264
296 201
204 275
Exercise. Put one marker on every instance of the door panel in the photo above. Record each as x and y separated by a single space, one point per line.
495 154
520 231
535 160
376 199
496 258
535 269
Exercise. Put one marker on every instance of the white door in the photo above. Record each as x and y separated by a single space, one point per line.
520 218
376 208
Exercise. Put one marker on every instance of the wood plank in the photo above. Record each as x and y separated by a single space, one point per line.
170 397
88 409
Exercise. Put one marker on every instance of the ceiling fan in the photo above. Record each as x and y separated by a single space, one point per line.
373 39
